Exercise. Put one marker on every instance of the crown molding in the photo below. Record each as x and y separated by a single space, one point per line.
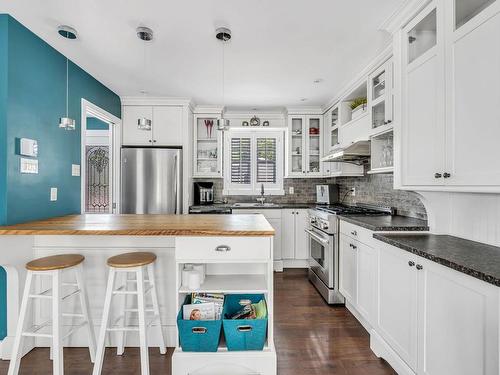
156 100
208 109
304 110
402 15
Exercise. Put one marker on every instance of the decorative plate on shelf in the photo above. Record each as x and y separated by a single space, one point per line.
254 121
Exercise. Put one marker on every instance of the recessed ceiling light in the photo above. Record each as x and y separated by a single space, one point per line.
144 33
143 92
318 80
303 99
67 32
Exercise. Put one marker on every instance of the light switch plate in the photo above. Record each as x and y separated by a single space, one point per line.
75 169
28 147
53 194
291 190
29 166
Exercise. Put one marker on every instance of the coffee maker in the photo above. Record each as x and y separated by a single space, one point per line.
203 193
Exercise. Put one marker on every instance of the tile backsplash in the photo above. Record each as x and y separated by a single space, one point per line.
375 189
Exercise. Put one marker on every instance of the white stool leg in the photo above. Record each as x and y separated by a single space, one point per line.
84 301
156 307
58 361
101 343
18 341
122 336
141 307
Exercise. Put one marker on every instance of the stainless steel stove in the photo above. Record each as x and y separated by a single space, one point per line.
323 245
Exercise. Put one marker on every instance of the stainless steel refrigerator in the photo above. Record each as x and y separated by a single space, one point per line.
151 180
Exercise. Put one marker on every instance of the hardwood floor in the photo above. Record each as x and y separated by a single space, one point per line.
310 337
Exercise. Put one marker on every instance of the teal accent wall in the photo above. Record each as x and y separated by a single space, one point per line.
32 99
36 99
94 123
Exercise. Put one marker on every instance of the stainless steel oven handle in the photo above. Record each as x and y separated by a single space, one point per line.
316 237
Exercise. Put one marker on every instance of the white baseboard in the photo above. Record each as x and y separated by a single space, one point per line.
383 350
295 263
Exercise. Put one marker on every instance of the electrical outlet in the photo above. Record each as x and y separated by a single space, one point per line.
353 191
75 169
53 194
291 190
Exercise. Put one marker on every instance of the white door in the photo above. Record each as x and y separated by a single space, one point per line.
365 275
132 135
397 302
301 245
458 323
423 129
474 97
347 268
288 234
167 126
276 224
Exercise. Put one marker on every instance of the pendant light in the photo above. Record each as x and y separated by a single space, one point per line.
146 35
224 35
66 122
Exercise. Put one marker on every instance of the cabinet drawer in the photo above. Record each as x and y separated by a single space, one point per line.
223 248
356 232
269 213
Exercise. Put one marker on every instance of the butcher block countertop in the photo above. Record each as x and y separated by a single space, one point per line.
146 225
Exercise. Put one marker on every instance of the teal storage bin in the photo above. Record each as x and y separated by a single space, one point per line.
243 334
198 335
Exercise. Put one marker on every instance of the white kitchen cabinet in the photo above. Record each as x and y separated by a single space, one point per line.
347 269
305 145
277 248
207 160
132 135
457 323
294 238
397 302
166 126
380 98
448 97
365 270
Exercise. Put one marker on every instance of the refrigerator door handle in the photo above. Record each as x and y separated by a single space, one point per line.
176 182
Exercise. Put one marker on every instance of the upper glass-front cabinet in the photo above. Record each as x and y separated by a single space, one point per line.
423 36
465 10
304 150
381 97
207 147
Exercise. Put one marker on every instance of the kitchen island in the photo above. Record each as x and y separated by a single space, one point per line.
244 267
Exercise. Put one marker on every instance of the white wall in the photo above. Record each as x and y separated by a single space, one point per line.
467 215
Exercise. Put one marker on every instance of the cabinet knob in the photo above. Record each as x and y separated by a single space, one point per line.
354 233
150 141
411 263
354 247
419 267
446 175
154 140
438 175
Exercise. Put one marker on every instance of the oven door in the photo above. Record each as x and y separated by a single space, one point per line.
321 251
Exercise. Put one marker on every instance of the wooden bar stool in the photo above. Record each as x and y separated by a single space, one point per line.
55 267
138 263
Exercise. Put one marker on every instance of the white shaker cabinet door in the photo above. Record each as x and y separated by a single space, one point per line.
397 299
301 245
132 135
167 126
347 269
474 96
276 224
365 276
288 234
458 323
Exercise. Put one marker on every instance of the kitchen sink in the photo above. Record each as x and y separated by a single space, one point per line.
254 205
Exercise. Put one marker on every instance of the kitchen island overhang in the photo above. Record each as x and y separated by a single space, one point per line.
175 239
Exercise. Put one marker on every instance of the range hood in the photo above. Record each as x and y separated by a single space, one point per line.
357 152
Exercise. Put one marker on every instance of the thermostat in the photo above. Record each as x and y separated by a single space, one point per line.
29 147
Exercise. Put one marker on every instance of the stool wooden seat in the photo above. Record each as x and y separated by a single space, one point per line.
129 260
55 262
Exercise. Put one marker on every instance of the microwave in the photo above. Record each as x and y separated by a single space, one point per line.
327 194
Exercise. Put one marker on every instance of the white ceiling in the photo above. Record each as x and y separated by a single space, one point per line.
279 47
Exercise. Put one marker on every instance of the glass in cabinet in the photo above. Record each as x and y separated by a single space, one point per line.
382 153
304 150
313 144
381 96
207 147
296 144
465 10
423 36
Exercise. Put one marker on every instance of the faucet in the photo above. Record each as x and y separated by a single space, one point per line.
262 199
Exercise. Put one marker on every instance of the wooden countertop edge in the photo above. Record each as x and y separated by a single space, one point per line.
132 232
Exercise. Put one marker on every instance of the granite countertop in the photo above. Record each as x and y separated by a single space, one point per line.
387 223
472 258
276 206
146 225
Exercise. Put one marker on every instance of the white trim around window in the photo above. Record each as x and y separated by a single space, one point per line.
243 150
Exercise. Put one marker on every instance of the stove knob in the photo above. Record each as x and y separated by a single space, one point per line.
325 226
314 220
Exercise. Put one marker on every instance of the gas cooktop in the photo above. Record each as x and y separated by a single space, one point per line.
341 209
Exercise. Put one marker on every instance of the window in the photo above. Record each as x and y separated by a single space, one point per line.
253 158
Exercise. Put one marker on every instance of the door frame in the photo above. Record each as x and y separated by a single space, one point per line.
89 108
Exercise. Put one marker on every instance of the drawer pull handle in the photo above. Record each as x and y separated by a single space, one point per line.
244 328
354 233
199 330
419 267
411 263
223 248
